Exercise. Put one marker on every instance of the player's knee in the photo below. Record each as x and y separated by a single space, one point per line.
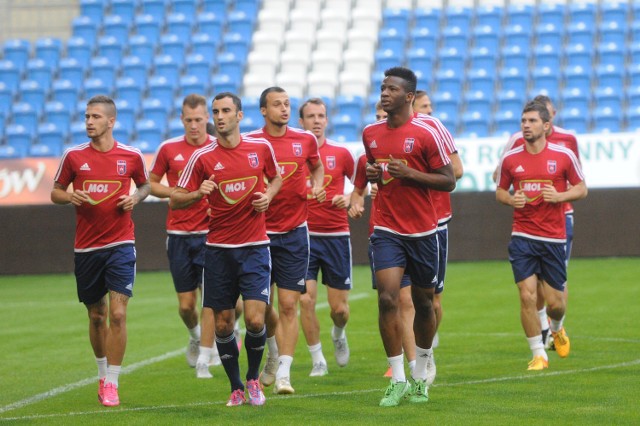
97 318
117 318
307 301
387 302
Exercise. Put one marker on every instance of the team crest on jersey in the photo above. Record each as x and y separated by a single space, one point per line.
331 162
533 189
253 159
100 190
287 169
325 182
408 144
384 163
122 167
297 149
552 166
235 190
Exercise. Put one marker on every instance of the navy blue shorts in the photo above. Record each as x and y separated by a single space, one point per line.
332 256
443 254
231 272
418 256
99 271
568 218
186 260
406 281
547 260
290 259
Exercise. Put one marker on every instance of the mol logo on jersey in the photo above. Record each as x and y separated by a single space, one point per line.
533 189
384 163
100 190
236 190
287 169
326 181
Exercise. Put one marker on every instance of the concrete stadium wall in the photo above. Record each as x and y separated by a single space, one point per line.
39 239
31 19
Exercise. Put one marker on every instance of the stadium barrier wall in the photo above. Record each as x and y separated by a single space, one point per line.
38 239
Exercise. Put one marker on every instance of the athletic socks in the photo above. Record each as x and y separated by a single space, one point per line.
228 349
113 372
397 368
284 366
337 332
195 332
544 322
316 354
254 345
556 325
273 347
536 346
102 367
205 355
420 370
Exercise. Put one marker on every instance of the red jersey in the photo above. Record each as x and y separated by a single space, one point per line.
325 218
559 136
360 181
239 172
293 150
403 206
171 159
554 165
105 176
441 199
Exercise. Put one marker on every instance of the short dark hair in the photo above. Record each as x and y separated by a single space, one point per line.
194 100
236 100
265 92
106 101
540 108
420 93
411 81
211 129
315 101
543 99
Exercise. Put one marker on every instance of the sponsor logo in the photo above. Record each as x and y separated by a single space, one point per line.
101 190
218 166
259 348
301 282
533 189
129 286
178 157
297 149
552 166
236 190
287 169
265 292
408 145
253 159
519 169
20 183
85 168
384 163
121 165
331 162
373 144
226 356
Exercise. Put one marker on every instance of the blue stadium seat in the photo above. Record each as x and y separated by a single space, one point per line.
127 89
199 66
174 47
545 77
84 28
574 119
476 122
219 7
38 70
240 22
94 87
127 113
78 133
250 7
517 35
121 134
481 80
635 31
388 58
155 8
9 75
487 36
575 99
211 24
230 65
423 38
633 119
420 60
583 12
70 69
449 121
510 100
102 68
506 122
49 141
520 14
80 50
8 152
25 115
479 101
491 16
580 33
19 137
176 128
186 7
457 16
17 51
110 48
579 55
350 105
148 26
549 34
449 81
606 119
446 102
613 11
33 93
142 48
180 25
145 147
93 9
610 76
116 26
55 112
513 79
613 32
153 109
136 68
608 97
161 88
397 19
237 44
191 84
6 100
634 53
164 65
391 38
547 55
345 126
224 83
49 49
515 57
577 77
251 108
126 9
552 13
66 91
250 123
427 18
452 59
204 44
611 54
149 131
633 73
455 37
633 96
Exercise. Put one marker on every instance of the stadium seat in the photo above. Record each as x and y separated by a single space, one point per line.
93 9
25 115
427 18
56 113
510 100
153 109
424 38
18 52
579 55
635 31
608 97
634 53
549 34
613 32
520 14
633 97
251 7
633 73
345 126
9 75
19 137
66 92
517 35
575 99
176 128
161 88
49 141
110 48
180 25
294 84
155 8
171 45
513 79
552 13
487 36
357 60
127 89
354 83
80 50
224 83
136 68
328 40
350 105
397 19
126 9
547 78
165 66
476 122
199 66
189 84
574 119
32 93
204 44
515 57
481 80
84 28
148 26
149 131
236 44
387 58
115 26
241 23
491 16
211 24
49 50
610 76
547 55
78 133
449 121
251 107
458 16
38 70
70 69
321 84
452 59
391 38
580 33
506 122
577 77
94 87
219 7
455 37
449 81
121 134
582 12
633 119
6 100
127 114
607 120
186 7
102 68
611 54
446 102
479 101
273 20
290 62
230 65
420 60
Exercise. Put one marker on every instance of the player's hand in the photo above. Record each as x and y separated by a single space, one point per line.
340 201
356 211
126 202
397 168
519 200
208 186
319 193
374 172
260 202
78 197
550 195
374 190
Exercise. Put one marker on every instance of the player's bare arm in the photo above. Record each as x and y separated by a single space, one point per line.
60 195
356 208
456 162
263 199
517 200
441 179
317 179
158 189
181 198
340 201
127 202
551 195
